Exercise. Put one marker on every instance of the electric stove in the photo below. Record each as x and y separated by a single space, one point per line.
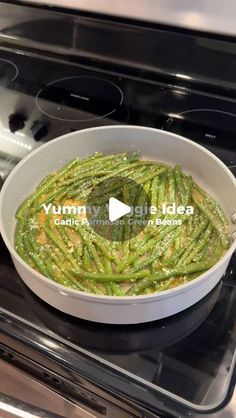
177 367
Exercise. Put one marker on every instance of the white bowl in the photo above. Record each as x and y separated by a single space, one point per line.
207 170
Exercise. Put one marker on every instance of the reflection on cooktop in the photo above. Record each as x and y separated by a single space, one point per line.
8 72
79 99
121 339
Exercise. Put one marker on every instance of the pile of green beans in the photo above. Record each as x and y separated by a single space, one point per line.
159 258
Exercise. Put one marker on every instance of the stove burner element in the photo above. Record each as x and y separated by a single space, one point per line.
79 99
8 72
212 128
208 121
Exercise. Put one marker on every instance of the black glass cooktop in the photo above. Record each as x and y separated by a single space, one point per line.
191 356
43 98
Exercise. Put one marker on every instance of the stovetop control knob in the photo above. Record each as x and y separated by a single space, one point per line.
16 122
39 130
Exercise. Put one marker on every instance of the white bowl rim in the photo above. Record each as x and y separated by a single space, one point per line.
116 299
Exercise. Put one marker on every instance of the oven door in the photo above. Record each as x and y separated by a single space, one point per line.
23 396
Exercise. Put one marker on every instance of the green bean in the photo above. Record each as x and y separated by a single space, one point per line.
102 196
50 268
21 241
36 259
163 285
45 186
177 242
214 249
115 232
190 225
139 177
108 270
56 241
32 232
144 249
215 206
20 248
140 242
159 231
116 289
65 278
55 260
44 181
196 217
105 166
219 227
105 277
179 183
86 286
102 246
158 251
127 227
186 247
200 245
92 287
64 236
86 260
171 187
91 248
79 249
191 243
108 288
127 177
201 255
138 288
188 190
141 199
120 233
154 195
156 172
162 190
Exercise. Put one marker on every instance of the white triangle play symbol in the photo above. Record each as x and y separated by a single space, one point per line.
117 209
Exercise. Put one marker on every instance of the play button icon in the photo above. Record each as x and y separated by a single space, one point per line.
117 209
